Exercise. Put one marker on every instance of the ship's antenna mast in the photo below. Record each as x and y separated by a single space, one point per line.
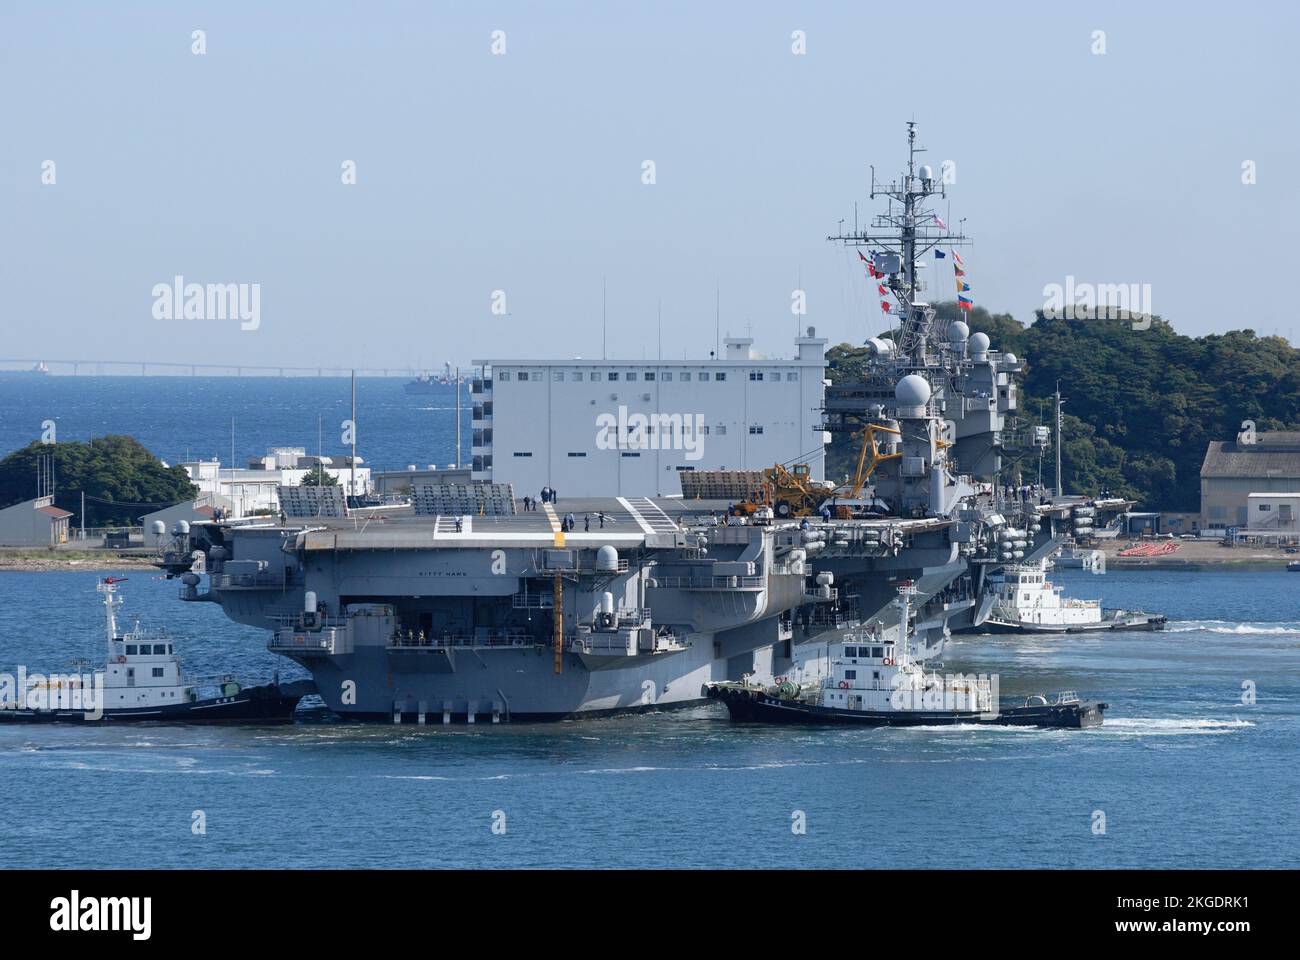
905 230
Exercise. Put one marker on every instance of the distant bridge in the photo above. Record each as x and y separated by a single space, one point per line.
136 368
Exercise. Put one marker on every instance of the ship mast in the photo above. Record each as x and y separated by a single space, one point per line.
108 587
897 240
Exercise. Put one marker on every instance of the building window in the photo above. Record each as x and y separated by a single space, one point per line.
523 453
722 430
579 454
850 674
157 671
649 375
503 375
577 376
557 376
704 430
613 375
756 374
755 429
631 375
668 376
629 454
131 649
792 376
719 376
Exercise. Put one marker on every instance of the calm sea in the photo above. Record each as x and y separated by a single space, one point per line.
182 418
1182 774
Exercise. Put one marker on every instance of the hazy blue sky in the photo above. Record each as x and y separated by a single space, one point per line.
522 172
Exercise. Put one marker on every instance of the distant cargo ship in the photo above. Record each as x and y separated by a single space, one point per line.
428 383
40 370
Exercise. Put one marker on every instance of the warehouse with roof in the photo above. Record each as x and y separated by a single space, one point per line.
1266 465
34 523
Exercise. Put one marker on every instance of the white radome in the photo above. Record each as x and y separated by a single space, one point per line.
912 391
979 343
958 332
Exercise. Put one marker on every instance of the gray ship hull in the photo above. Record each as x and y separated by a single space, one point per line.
517 684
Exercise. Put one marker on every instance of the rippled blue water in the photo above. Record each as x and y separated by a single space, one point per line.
1185 774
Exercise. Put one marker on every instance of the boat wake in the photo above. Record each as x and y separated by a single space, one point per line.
1240 629
1165 726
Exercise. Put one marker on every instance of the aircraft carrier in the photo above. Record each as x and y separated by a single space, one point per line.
497 614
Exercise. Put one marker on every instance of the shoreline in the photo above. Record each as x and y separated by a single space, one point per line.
1194 555
24 560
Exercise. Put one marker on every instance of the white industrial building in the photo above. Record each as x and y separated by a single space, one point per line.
625 428
248 491
1273 513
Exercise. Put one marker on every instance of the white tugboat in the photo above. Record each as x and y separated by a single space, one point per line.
142 680
875 681
1027 602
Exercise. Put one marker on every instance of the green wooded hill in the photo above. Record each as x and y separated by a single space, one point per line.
1141 404
122 480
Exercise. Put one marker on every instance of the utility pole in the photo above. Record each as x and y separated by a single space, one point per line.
354 433
717 317
661 328
1060 485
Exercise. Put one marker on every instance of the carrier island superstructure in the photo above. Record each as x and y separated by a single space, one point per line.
462 607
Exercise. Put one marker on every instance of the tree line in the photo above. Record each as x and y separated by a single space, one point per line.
121 479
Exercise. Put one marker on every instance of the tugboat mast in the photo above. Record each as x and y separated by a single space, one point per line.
108 587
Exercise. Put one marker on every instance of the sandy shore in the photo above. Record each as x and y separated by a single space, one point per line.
35 561
1193 554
